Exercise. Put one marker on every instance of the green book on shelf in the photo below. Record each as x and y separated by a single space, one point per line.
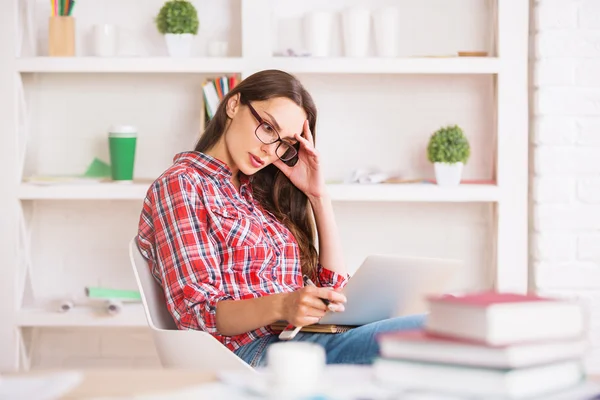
115 294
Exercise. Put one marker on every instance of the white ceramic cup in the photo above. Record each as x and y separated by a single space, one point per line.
295 368
356 26
386 29
104 39
317 28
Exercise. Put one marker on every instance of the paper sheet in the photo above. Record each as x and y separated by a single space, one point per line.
47 387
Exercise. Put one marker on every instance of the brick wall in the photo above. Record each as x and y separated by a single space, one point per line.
566 145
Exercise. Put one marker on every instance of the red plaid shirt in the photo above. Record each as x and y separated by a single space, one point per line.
206 242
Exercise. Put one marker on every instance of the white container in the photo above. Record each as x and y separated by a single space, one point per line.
294 369
179 45
386 29
448 174
356 27
105 40
317 29
218 48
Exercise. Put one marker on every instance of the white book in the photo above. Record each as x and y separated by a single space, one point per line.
420 346
482 383
211 97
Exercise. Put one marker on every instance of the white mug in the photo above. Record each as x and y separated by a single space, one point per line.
104 39
295 368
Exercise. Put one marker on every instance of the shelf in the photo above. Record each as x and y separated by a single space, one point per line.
422 65
130 64
84 191
132 315
415 192
339 192
408 65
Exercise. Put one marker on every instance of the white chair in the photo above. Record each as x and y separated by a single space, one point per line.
178 348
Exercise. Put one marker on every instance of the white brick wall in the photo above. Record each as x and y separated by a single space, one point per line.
566 141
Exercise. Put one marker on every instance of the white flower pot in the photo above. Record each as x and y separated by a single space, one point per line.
179 45
448 174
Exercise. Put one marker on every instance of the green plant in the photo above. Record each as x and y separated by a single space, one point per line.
448 145
177 16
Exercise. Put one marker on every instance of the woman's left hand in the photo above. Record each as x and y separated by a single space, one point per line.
306 175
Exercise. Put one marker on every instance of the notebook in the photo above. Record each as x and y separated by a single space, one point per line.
279 326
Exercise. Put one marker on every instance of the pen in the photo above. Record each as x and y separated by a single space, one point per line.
288 333
308 282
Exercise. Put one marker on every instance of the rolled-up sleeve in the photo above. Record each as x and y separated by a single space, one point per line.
329 278
188 263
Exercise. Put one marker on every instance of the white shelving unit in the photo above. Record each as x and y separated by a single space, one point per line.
509 266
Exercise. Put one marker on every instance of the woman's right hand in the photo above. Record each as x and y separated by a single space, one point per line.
305 306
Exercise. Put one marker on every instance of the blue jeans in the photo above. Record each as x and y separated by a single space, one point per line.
357 346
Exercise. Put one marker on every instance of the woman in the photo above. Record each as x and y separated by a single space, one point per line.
228 232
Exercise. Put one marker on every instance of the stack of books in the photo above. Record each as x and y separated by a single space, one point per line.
489 345
214 91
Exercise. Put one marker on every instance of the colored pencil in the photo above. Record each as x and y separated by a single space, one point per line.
71 5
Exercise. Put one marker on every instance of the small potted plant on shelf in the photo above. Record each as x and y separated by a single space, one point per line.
177 20
448 150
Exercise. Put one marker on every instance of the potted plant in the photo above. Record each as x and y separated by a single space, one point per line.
177 20
448 150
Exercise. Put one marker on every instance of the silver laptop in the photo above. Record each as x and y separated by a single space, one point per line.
386 286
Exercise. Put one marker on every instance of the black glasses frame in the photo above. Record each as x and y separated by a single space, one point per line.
292 160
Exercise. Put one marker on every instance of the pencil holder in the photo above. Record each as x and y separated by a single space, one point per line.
61 36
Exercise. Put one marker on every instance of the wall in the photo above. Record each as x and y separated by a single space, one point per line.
565 145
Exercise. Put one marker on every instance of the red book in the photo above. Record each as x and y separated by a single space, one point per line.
489 297
504 318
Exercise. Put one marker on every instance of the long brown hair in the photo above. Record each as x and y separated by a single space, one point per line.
271 188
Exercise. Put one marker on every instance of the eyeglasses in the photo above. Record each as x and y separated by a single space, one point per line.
268 135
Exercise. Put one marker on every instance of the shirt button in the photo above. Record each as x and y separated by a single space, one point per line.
265 230
278 253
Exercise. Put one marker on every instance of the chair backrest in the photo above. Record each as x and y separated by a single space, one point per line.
152 295
178 348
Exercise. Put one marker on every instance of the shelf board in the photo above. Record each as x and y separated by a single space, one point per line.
132 315
413 192
307 65
130 64
85 191
400 65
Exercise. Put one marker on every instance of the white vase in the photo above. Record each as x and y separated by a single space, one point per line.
356 27
179 45
317 28
448 174
386 28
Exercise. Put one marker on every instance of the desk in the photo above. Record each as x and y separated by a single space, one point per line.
124 382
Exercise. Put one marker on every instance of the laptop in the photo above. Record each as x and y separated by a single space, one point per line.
386 286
